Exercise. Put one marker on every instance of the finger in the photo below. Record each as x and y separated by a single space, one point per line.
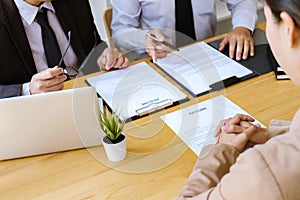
244 137
101 62
104 61
245 124
223 44
252 53
49 73
125 62
118 63
232 46
109 60
54 81
250 131
55 87
239 49
110 66
161 55
218 129
162 48
153 55
170 41
241 117
232 128
246 49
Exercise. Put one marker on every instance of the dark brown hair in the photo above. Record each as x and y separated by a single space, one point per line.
292 7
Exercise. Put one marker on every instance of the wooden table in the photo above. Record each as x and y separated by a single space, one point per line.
157 164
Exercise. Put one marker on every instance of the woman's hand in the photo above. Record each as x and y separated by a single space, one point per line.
238 140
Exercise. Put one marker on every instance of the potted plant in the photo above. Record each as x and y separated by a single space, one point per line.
114 139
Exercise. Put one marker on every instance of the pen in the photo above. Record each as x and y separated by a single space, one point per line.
153 37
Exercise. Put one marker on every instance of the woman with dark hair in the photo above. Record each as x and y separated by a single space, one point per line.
269 170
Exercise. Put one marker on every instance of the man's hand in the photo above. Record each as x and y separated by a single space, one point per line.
49 80
112 58
240 43
154 49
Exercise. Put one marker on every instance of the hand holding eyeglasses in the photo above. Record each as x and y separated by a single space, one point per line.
111 58
48 80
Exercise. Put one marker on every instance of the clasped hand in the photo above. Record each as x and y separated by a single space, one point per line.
239 130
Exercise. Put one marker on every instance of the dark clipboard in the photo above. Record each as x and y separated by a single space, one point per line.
262 62
216 85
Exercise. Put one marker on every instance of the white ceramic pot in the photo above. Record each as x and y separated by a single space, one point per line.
115 152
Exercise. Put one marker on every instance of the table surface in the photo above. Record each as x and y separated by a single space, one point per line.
158 162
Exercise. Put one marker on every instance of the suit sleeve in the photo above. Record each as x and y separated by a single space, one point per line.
10 90
212 164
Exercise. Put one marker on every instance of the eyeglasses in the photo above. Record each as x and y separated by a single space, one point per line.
69 71
65 52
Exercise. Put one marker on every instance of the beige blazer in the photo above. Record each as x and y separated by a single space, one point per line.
270 171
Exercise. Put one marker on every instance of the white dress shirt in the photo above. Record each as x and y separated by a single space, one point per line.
28 13
132 19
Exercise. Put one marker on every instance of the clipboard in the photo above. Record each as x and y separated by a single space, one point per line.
200 68
261 63
136 91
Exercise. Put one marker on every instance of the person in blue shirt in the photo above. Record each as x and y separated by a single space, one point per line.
133 19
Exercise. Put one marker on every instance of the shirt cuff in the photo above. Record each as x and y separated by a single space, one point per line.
25 89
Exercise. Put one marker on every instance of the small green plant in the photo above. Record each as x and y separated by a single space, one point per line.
112 127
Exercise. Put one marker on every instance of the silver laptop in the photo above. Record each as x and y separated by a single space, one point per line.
49 122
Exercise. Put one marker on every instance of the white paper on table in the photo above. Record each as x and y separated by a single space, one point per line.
198 66
196 124
135 90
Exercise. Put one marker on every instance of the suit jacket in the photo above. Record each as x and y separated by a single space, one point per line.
267 171
17 64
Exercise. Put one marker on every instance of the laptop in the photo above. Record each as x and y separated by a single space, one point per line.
49 122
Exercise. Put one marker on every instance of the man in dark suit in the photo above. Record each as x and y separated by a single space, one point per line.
18 65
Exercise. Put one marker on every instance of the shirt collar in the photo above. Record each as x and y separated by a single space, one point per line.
28 12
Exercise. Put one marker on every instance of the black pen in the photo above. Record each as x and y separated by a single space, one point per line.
153 37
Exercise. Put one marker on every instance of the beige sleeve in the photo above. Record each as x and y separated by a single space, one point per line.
278 127
249 178
212 164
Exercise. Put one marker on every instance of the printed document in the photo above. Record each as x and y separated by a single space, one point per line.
196 124
135 91
198 66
